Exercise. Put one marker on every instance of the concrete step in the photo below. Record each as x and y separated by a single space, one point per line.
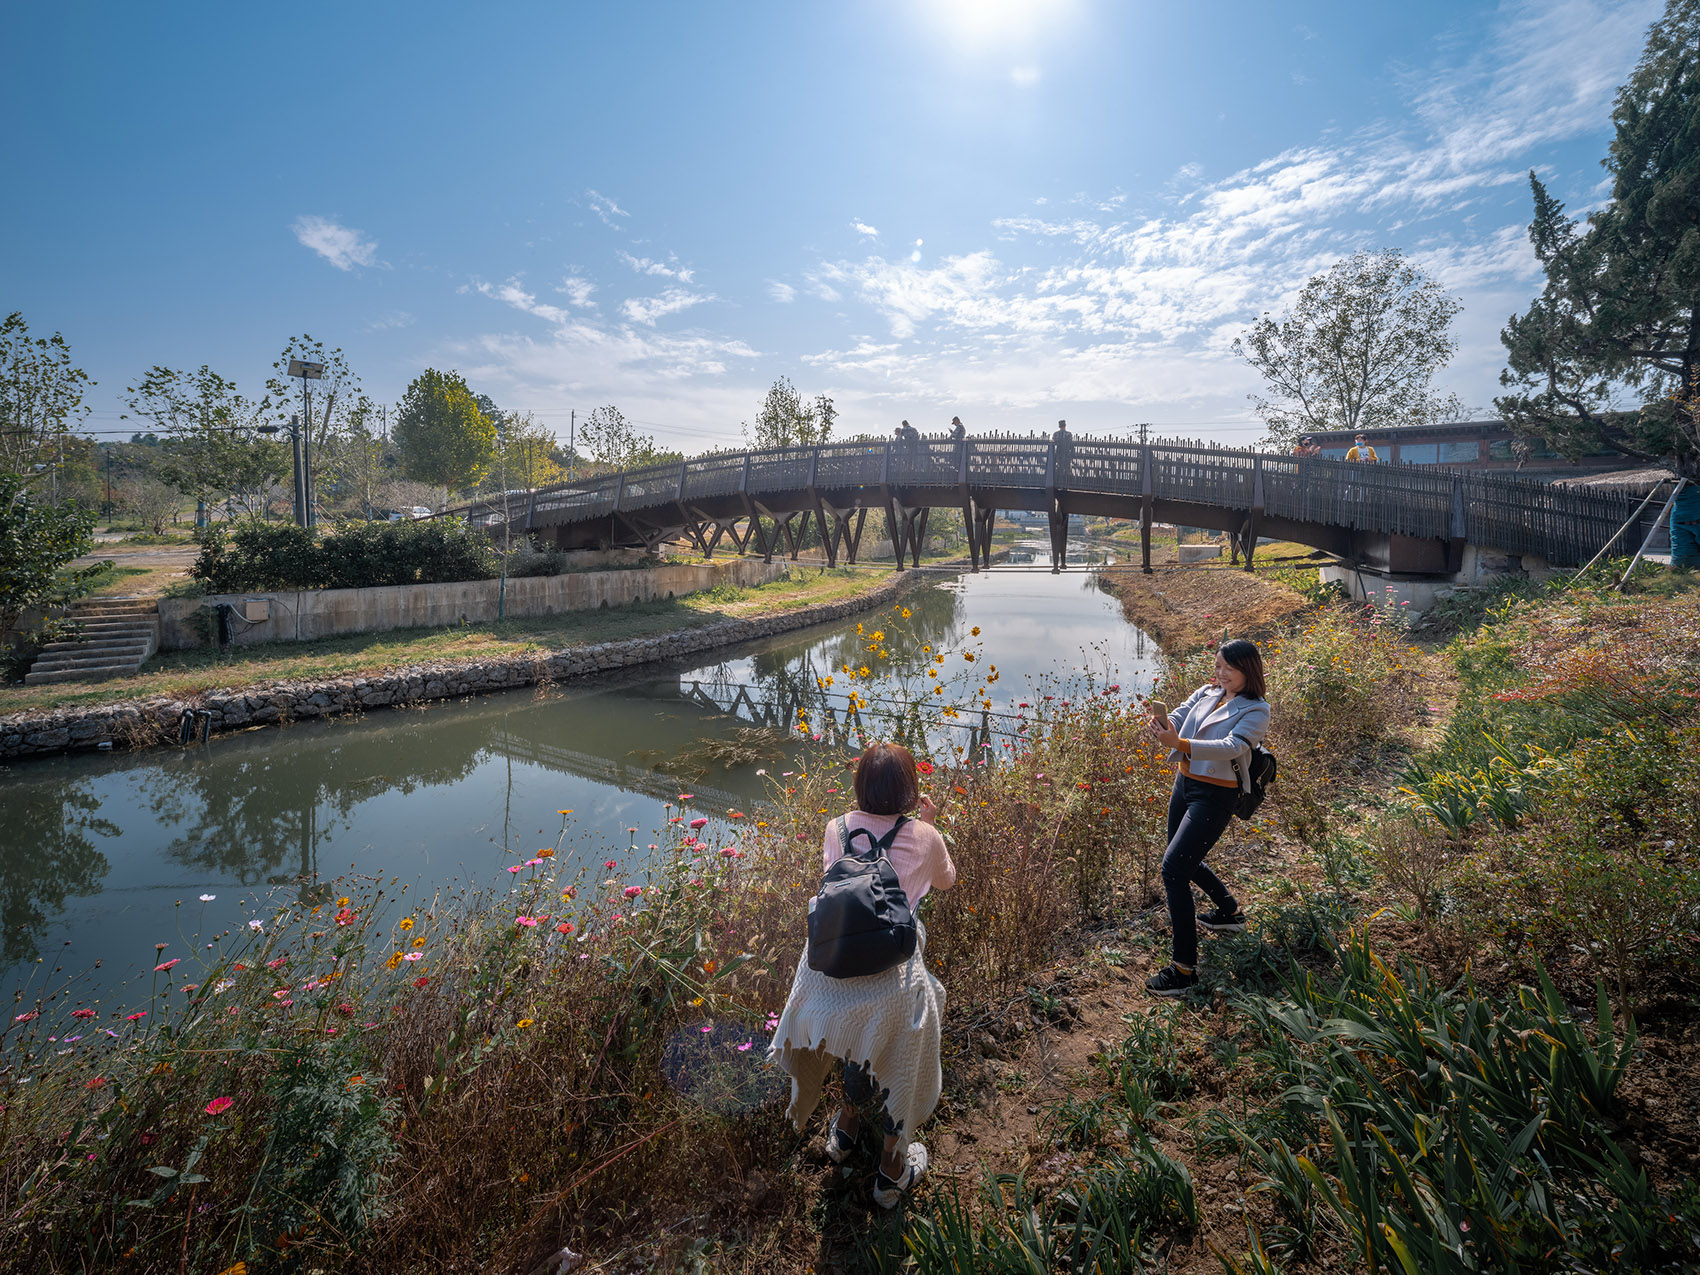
85 654
118 628
113 614
140 642
91 674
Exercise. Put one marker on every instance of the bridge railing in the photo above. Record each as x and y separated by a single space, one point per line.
780 469
841 465
1565 525
1009 462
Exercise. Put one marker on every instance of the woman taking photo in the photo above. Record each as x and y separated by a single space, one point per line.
884 1026
1211 736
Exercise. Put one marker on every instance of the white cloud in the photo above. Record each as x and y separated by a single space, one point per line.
342 246
866 231
510 293
605 208
1024 77
783 293
577 290
669 269
392 319
647 310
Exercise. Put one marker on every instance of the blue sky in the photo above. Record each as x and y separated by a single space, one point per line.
1011 210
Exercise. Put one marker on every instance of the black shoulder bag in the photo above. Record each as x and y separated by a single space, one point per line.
861 922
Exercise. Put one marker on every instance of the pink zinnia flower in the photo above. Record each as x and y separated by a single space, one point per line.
520 920
140 1013
219 1105
419 956
24 1018
82 1013
612 863
699 822
632 891
167 965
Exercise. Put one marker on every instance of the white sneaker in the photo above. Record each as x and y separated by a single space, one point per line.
887 1192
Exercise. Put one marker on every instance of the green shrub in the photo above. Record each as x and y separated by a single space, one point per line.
1438 1129
254 556
1606 876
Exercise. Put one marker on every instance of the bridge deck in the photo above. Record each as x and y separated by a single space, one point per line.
1396 518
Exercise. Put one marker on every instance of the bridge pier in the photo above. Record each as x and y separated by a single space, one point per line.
1414 593
908 527
1059 537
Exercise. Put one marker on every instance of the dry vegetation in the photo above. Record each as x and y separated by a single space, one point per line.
578 1061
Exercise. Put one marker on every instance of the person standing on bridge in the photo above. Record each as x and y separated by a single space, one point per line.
1211 736
1361 450
885 1026
958 431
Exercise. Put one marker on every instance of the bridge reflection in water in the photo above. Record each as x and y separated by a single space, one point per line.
1416 520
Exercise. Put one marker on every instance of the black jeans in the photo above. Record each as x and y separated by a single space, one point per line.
1198 815
859 1091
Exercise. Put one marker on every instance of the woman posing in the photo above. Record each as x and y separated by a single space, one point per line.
884 1026
1211 735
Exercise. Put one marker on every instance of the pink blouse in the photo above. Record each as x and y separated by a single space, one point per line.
918 853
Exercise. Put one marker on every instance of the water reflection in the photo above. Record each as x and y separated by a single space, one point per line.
50 829
104 855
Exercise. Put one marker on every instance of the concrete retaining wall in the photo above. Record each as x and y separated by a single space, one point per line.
146 723
1420 593
300 616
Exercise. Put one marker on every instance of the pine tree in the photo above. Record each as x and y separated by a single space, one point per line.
1608 357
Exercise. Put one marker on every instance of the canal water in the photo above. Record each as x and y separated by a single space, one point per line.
102 856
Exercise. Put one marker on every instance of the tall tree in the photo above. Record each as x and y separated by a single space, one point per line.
525 449
611 442
1609 355
212 448
38 540
1358 350
41 398
444 439
785 420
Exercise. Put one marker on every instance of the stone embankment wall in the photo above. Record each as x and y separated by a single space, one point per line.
150 722
302 615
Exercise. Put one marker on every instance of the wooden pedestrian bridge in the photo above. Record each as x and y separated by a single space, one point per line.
1390 520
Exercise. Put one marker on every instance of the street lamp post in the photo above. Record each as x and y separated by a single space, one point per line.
307 371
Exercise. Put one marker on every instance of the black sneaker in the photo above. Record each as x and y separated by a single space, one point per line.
1171 981
1228 920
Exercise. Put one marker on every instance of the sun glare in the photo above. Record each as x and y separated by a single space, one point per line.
987 22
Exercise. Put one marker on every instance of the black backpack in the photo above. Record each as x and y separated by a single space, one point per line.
1263 768
861 922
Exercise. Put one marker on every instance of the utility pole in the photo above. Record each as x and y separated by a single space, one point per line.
109 481
572 454
1144 431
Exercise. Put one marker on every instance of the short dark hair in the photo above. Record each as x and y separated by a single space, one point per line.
1247 659
886 782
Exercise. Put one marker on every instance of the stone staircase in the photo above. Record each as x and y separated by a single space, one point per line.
117 635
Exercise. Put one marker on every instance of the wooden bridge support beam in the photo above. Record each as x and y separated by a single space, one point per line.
908 527
1059 537
1145 534
981 531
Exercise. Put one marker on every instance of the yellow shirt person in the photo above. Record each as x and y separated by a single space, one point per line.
1363 451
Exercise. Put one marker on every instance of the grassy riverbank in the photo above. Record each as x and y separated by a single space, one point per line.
184 673
1407 1055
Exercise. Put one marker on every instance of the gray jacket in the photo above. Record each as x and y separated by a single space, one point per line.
1220 736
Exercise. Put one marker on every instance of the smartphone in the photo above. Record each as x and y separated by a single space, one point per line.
1159 710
